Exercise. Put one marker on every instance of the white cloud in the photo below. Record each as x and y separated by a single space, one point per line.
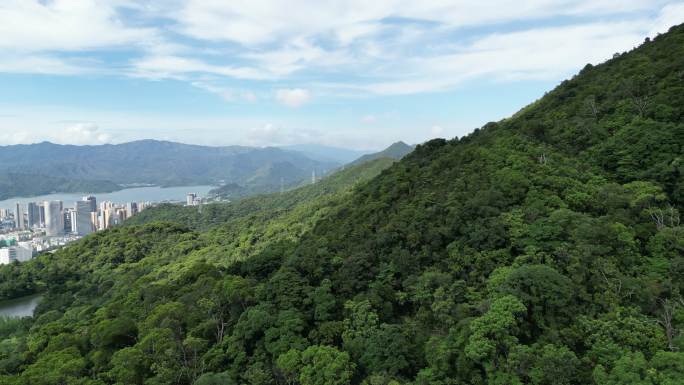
293 97
513 56
671 14
436 130
263 22
297 55
40 64
359 41
252 23
39 36
279 135
249 51
250 96
176 67
227 94
402 58
68 132
68 25
369 119
9 137
81 133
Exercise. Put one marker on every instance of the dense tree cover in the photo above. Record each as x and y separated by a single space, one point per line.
298 204
17 281
542 249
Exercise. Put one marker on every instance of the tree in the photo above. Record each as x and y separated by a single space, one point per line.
215 379
55 368
494 335
556 365
129 366
545 293
325 365
630 369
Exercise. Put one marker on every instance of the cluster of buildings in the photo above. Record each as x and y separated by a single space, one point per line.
193 199
39 226
11 250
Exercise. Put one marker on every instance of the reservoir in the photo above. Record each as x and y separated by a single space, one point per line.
20 307
137 194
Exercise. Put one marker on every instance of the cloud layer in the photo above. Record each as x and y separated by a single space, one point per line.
293 97
282 71
378 47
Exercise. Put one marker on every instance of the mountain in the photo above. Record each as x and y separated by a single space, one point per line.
326 153
395 151
161 163
14 185
546 248
267 179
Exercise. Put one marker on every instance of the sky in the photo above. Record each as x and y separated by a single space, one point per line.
358 74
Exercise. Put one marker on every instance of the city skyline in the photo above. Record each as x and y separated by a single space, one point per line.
360 75
30 228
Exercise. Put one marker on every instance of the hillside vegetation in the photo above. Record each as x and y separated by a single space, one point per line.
234 191
543 249
396 150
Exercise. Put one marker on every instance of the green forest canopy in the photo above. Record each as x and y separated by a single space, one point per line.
542 249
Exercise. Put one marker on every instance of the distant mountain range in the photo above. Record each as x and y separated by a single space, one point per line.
43 168
327 153
105 167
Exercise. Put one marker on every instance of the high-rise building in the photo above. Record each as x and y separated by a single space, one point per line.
41 212
92 202
190 199
120 216
95 222
68 223
82 222
33 215
131 209
54 220
107 215
19 217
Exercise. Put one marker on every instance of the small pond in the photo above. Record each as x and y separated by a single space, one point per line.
20 307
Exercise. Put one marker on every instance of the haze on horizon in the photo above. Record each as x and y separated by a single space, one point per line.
350 74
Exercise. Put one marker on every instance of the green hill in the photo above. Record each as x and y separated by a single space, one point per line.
396 150
306 200
543 249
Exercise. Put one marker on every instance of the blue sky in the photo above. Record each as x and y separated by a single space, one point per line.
358 74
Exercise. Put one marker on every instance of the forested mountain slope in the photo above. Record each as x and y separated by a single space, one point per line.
396 150
304 199
234 191
542 249
238 230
